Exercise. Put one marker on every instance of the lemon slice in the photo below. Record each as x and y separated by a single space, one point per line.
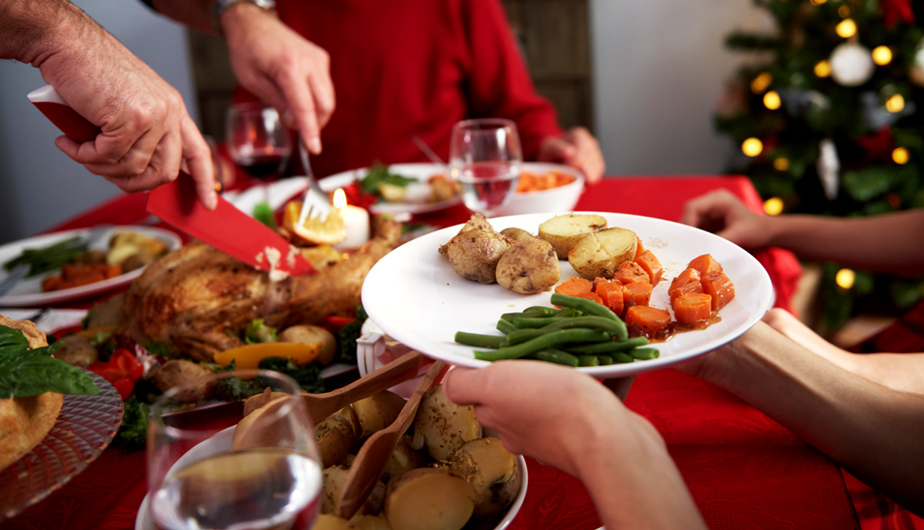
328 232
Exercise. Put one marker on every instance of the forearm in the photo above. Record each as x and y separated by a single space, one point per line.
884 243
630 476
871 430
33 30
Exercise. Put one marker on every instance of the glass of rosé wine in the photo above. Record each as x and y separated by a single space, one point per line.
209 468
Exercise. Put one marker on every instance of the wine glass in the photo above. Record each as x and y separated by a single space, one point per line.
485 158
257 139
207 468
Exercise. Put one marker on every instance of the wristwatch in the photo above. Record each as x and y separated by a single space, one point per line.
222 5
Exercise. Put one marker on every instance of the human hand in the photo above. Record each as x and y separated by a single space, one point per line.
524 401
577 148
146 135
723 214
281 68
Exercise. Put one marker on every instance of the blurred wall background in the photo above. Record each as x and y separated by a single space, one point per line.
657 69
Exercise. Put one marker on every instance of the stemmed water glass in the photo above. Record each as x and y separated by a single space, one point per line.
485 158
262 472
257 140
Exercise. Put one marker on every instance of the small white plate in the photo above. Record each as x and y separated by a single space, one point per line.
28 292
416 297
420 172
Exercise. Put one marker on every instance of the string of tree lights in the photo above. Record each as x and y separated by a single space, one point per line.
827 111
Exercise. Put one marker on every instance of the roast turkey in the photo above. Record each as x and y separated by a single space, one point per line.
197 299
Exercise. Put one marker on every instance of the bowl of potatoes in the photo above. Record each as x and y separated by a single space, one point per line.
447 472
551 188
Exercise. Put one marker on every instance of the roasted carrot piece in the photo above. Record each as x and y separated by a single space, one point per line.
648 261
590 296
649 321
631 272
639 249
688 281
692 308
637 293
574 286
705 264
612 295
720 287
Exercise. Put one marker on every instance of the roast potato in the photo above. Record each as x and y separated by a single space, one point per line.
564 231
308 334
326 521
77 350
597 255
491 471
334 478
475 250
428 499
516 234
530 266
377 412
442 426
177 372
337 436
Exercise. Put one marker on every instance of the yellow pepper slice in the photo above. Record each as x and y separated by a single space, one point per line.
250 355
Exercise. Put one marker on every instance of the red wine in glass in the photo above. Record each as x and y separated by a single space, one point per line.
264 166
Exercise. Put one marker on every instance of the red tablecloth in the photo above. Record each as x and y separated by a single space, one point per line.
743 469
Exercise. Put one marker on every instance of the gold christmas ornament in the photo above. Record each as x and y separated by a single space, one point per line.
900 155
882 55
752 147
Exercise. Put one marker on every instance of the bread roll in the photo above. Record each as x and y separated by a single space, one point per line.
25 421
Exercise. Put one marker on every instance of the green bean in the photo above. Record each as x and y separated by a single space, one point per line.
568 312
588 360
540 311
547 340
553 355
480 341
505 327
620 357
610 326
528 322
522 335
591 307
644 354
48 258
605 360
609 347
510 317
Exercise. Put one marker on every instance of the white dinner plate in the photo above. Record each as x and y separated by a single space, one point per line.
420 172
28 292
416 297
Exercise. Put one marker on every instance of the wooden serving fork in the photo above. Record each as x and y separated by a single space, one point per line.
401 369
369 464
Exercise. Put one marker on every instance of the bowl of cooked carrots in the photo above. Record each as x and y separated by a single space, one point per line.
545 188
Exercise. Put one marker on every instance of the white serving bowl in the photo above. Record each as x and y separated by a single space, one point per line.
374 349
561 199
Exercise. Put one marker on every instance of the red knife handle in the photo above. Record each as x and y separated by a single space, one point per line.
72 124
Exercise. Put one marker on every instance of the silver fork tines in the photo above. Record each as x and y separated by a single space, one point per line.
316 202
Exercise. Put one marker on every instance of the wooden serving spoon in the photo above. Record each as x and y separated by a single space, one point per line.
369 464
319 406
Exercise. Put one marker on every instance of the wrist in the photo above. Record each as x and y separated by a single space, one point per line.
229 13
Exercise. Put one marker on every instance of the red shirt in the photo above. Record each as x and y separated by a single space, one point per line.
405 67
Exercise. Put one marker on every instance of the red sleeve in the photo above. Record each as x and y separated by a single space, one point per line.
500 85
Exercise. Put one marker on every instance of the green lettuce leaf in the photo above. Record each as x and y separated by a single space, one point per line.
25 372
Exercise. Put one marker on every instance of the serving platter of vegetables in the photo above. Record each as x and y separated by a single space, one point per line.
75 264
423 294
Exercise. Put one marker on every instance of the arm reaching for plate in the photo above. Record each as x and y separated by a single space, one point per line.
871 430
147 133
591 435
877 243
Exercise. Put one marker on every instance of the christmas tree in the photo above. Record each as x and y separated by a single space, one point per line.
828 116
